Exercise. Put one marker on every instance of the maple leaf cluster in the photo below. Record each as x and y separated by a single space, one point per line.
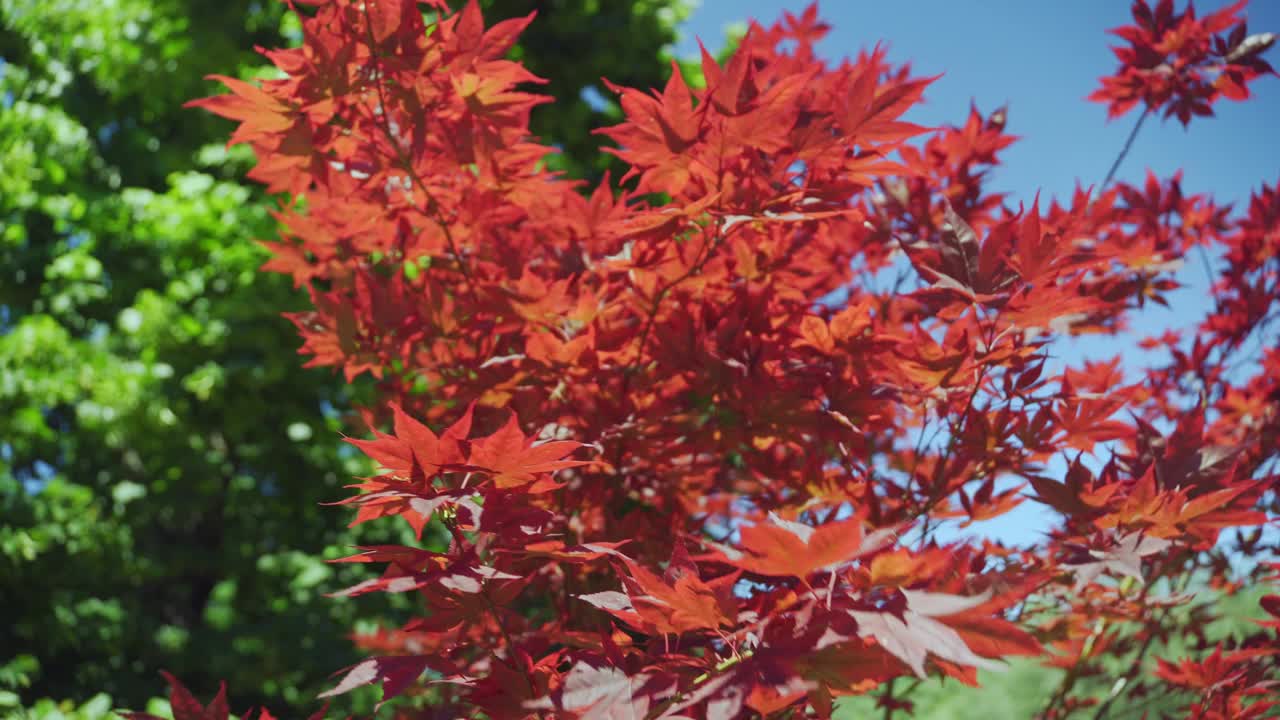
184 706
775 438
1182 64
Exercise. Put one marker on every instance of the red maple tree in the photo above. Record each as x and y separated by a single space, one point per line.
690 460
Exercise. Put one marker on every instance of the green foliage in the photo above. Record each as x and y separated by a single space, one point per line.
96 708
162 454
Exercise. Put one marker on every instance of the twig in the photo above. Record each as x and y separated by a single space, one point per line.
1128 144
661 709
888 699
406 163
1121 685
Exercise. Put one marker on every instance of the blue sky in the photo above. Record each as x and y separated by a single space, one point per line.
1042 59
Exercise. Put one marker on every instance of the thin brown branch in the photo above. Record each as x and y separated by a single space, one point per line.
432 209
1124 151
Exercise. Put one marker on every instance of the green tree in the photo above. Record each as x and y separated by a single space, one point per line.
162 454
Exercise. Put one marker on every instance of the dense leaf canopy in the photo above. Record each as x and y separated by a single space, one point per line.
162 454
691 457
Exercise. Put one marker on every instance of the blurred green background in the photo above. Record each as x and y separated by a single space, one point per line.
162 453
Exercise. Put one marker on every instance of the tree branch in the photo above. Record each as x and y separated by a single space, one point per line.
1124 151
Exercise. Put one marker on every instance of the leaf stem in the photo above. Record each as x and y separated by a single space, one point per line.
513 662
1124 151
661 710
1122 685
888 699
705 251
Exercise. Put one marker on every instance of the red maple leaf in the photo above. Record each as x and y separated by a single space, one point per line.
513 459
790 549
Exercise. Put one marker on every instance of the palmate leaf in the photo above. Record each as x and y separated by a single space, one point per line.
394 674
915 634
791 549
259 113
594 692
513 459
185 706
1123 558
413 444
677 603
